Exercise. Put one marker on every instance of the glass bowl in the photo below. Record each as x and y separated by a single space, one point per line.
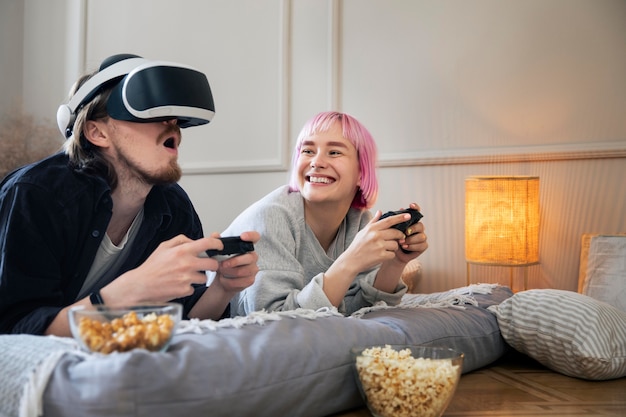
105 329
407 380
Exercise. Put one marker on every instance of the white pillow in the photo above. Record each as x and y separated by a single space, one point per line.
603 269
568 332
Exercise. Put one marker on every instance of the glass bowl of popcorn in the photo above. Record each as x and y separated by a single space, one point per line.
105 329
407 380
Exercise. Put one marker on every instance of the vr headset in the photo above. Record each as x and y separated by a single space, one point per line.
144 91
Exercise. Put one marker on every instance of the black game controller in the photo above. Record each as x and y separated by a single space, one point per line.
232 245
404 226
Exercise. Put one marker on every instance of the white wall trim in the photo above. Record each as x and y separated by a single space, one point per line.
76 40
334 50
285 85
233 167
448 157
561 152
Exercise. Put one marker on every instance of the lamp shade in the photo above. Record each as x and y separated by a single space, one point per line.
502 220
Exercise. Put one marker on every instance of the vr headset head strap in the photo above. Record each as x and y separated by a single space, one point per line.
112 68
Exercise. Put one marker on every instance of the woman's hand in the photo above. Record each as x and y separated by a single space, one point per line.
377 242
232 276
416 241
388 276
238 272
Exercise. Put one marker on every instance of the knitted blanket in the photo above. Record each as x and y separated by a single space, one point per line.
27 362
455 298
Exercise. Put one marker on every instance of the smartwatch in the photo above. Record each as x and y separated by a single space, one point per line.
96 298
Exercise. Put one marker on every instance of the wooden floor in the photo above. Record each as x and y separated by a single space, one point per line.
517 386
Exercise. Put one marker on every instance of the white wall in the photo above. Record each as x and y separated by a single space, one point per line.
449 89
11 23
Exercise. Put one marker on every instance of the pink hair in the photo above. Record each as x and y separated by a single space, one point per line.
362 140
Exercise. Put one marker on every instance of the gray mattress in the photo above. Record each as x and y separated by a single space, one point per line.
294 366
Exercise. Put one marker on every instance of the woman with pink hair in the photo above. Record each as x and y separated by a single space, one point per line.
320 245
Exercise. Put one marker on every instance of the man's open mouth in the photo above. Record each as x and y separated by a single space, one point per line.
170 143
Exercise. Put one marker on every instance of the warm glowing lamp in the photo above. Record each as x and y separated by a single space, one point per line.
502 222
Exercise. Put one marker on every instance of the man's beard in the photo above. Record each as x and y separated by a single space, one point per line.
170 175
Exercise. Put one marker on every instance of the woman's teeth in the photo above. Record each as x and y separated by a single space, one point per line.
322 180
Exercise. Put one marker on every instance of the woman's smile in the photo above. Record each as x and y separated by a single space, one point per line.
316 179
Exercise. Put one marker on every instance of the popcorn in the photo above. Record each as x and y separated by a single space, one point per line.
397 384
127 332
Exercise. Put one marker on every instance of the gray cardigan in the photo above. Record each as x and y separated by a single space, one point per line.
292 261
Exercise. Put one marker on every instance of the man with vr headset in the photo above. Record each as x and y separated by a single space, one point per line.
105 222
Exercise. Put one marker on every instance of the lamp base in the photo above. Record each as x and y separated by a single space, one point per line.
511 278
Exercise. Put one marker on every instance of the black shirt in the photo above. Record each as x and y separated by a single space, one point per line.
52 220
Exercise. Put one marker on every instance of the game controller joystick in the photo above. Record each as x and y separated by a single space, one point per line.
405 226
232 245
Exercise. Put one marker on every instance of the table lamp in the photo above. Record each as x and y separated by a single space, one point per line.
502 222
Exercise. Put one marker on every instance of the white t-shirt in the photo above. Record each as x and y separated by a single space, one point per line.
109 258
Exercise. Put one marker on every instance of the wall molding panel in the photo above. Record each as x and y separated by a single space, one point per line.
506 154
431 105
245 52
281 144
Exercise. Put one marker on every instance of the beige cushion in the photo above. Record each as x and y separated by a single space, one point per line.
602 273
412 275
568 332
